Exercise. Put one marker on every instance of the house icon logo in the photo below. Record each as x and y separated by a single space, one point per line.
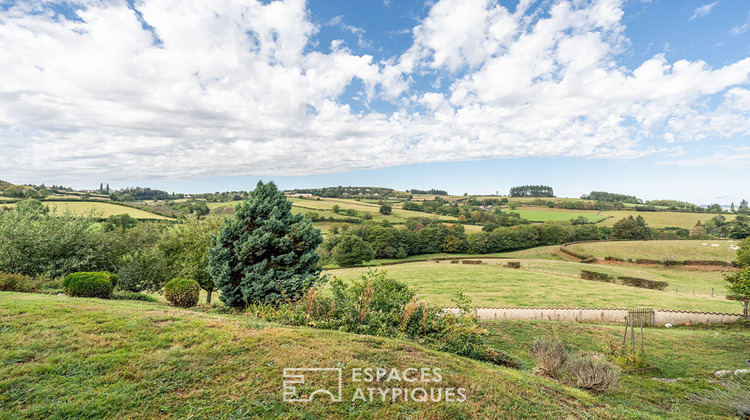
318 381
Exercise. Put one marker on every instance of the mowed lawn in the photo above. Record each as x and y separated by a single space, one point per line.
539 283
709 249
100 209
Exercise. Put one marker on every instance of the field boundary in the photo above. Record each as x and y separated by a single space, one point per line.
600 315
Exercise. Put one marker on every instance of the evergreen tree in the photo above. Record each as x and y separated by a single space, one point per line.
264 253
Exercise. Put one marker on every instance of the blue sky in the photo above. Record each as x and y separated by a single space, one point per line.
650 98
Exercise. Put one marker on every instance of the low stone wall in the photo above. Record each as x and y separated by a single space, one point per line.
600 315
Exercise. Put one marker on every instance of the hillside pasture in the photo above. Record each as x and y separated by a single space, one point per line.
661 219
544 214
709 249
63 357
539 283
99 209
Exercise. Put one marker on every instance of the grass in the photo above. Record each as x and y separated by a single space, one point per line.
654 219
655 250
538 214
542 283
63 357
688 354
661 219
100 209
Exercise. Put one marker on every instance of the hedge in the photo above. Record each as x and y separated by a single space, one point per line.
596 276
90 284
643 283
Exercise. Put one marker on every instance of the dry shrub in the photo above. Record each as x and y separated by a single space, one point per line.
549 355
732 396
364 304
590 372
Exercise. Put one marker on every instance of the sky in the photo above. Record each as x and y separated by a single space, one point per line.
643 97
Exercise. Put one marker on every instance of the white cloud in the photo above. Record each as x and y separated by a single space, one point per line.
704 10
741 29
234 87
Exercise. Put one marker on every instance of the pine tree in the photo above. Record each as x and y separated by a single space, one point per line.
264 253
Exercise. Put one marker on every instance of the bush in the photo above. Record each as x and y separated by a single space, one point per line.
549 355
590 372
596 276
89 284
377 305
14 282
182 292
513 264
643 283
127 295
732 397
471 261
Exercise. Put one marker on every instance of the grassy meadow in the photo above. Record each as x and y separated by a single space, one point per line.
544 283
63 357
99 209
709 249
678 353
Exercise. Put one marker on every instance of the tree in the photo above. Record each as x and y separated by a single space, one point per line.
351 250
336 209
743 254
739 287
386 209
185 247
264 252
629 228
34 242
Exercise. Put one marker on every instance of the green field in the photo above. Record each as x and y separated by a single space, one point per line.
661 219
545 283
100 209
63 357
686 355
540 214
656 250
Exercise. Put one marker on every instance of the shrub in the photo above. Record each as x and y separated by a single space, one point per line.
14 282
377 305
182 292
589 260
596 276
454 260
549 355
471 261
89 284
128 295
513 264
643 283
732 396
590 372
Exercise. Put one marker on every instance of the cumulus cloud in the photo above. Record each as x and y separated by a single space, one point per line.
177 89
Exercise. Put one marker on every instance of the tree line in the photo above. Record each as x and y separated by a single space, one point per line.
532 191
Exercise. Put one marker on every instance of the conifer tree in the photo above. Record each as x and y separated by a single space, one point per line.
264 253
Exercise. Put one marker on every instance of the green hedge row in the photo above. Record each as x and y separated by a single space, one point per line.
593 275
643 283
